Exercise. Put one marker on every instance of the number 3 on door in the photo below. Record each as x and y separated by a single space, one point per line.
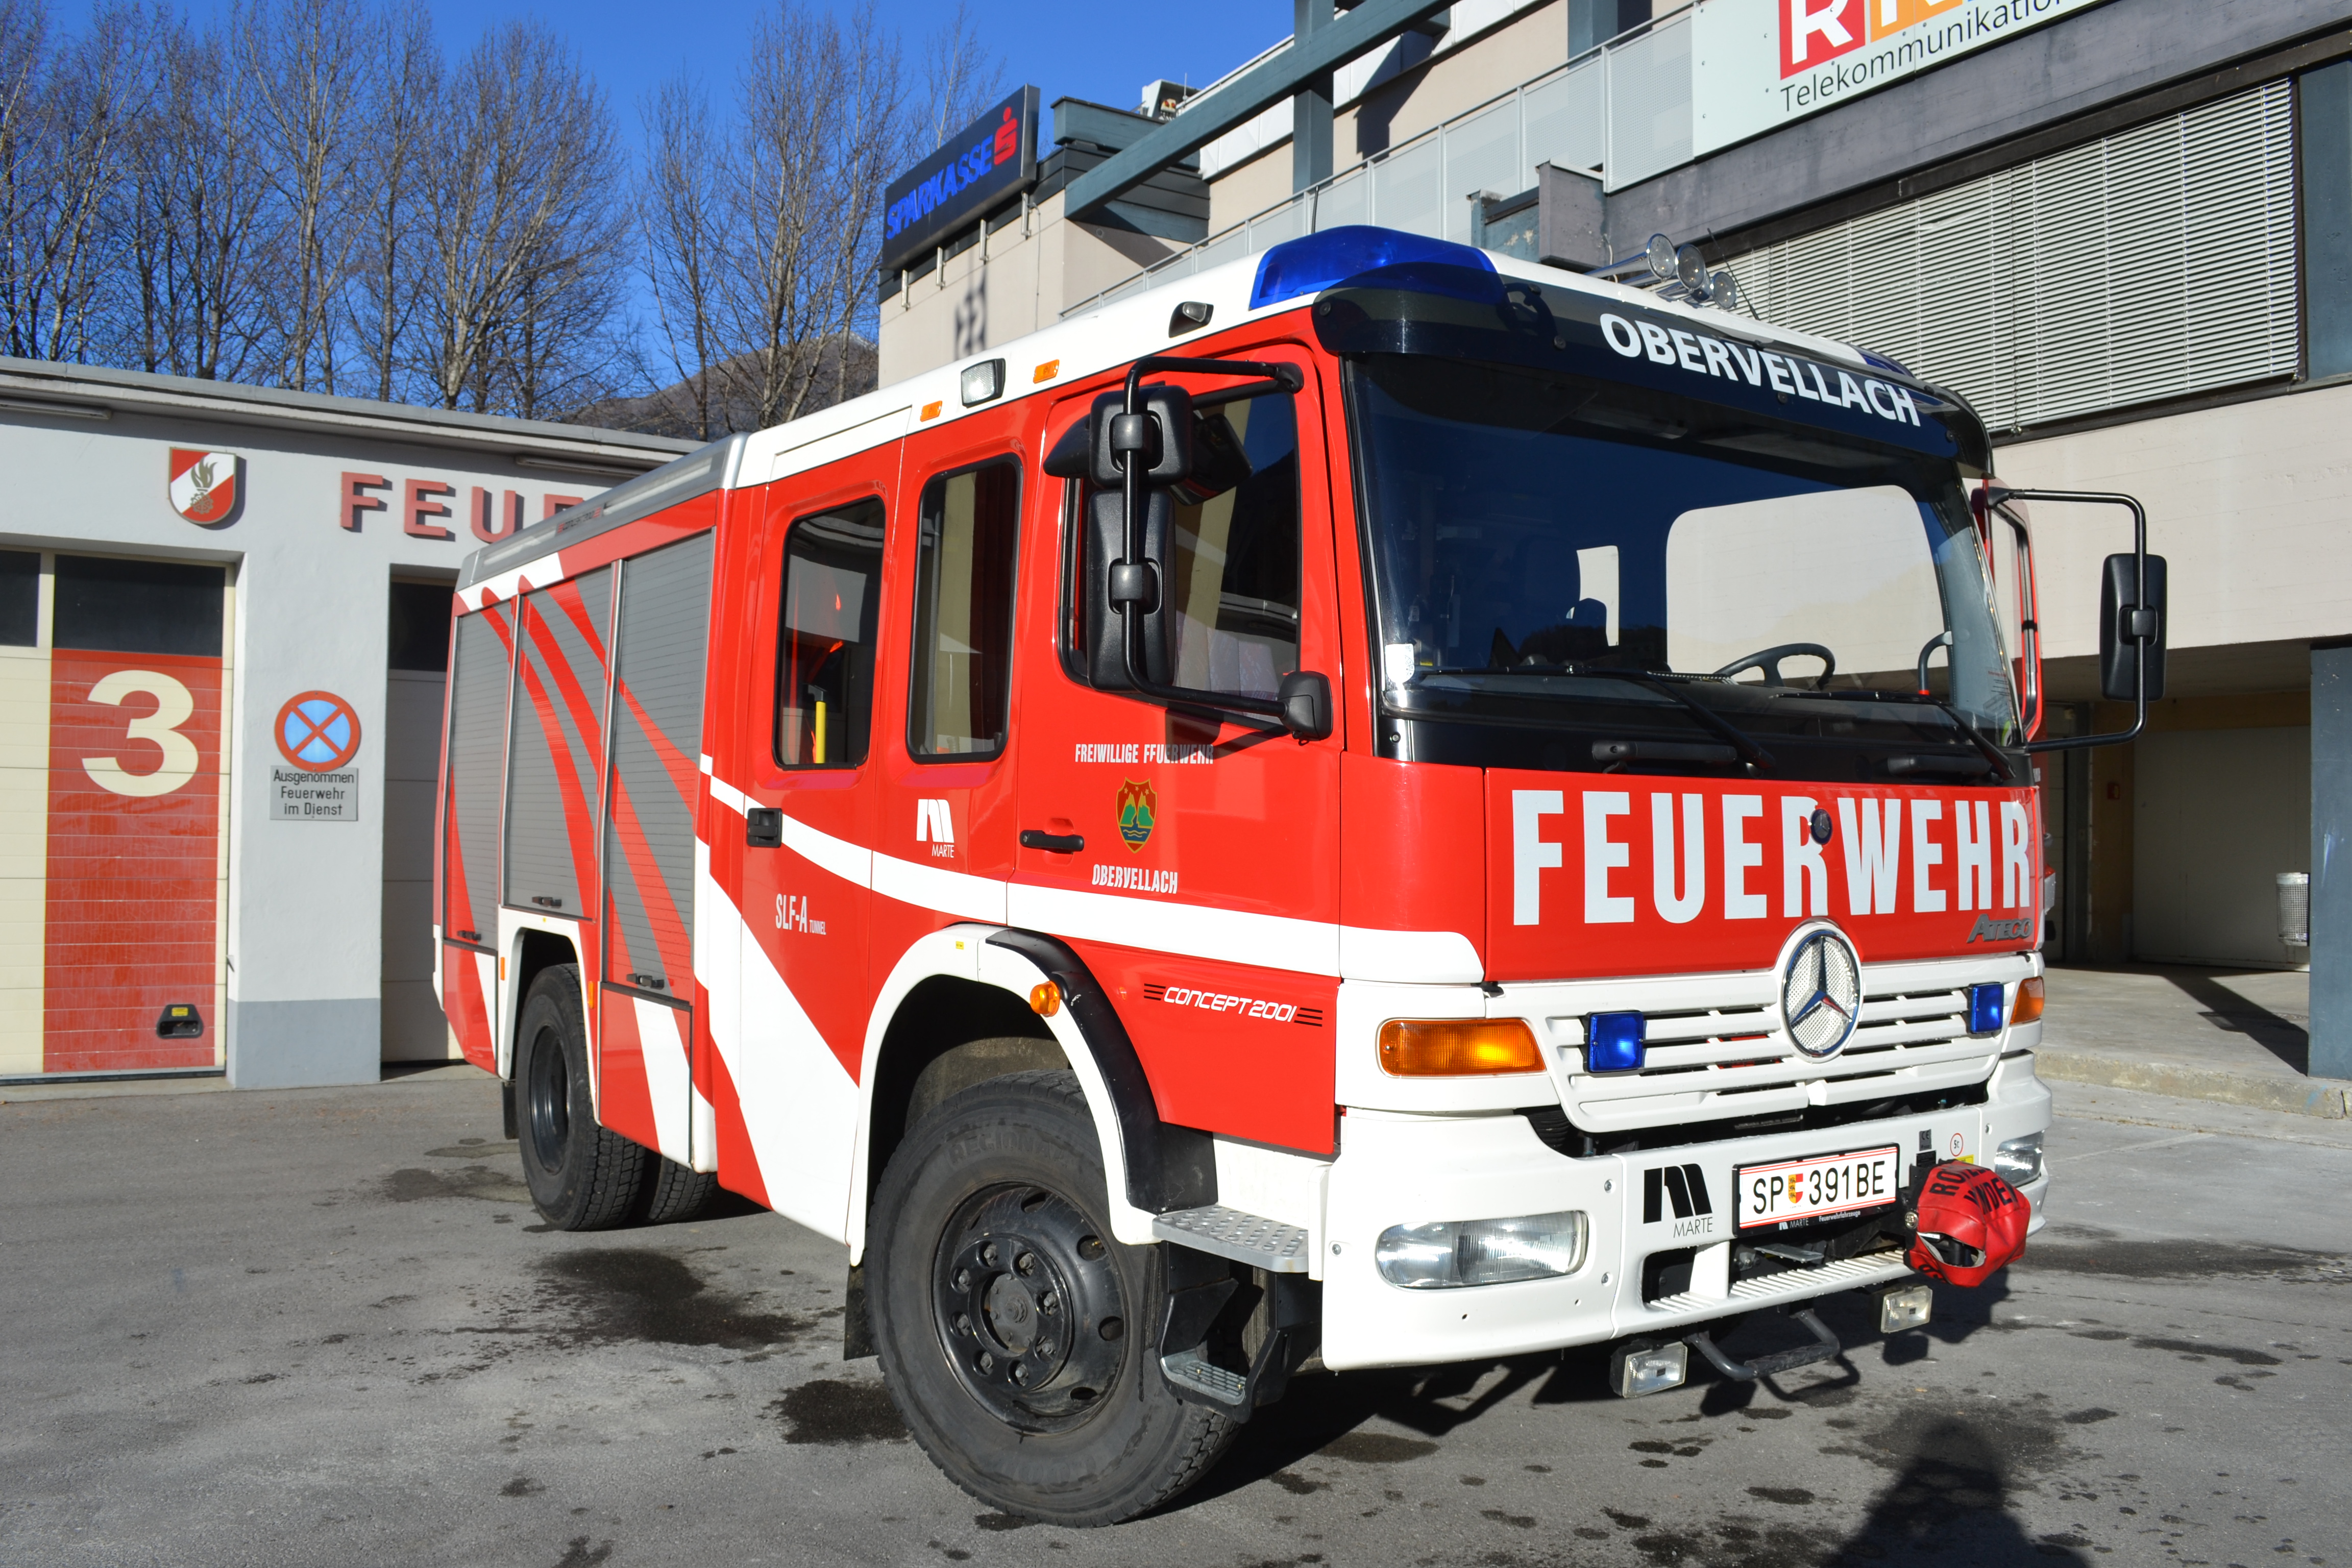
173 704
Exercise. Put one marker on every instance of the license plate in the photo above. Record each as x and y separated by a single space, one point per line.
1820 1185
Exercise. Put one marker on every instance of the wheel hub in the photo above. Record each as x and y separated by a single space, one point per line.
548 1101
1028 1307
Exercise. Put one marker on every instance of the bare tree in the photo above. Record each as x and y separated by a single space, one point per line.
817 140
202 242
382 297
964 78
304 65
683 227
65 107
516 189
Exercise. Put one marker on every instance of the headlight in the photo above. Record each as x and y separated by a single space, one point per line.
2019 1161
1453 1253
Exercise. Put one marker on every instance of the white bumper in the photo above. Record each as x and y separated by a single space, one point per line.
1401 1169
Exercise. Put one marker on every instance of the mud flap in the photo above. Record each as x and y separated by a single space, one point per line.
857 1327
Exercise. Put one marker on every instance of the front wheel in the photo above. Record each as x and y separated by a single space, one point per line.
581 1176
1016 1336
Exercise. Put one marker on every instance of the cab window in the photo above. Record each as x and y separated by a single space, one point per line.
967 526
825 636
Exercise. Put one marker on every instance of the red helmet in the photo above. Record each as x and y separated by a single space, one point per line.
1971 1225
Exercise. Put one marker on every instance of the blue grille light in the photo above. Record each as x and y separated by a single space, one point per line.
1984 1009
1612 1042
1314 262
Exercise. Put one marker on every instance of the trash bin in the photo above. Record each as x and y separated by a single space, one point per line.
2294 909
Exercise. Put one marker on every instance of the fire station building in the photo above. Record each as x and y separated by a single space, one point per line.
223 625
2121 228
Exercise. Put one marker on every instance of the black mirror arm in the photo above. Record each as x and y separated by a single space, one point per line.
2142 630
1257 712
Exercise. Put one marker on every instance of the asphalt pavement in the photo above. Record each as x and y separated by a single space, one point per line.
325 1327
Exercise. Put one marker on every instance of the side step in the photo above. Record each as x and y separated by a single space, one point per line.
1825 1348
1245 1238
1204 1382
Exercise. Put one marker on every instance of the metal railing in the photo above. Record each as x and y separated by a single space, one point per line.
1620 111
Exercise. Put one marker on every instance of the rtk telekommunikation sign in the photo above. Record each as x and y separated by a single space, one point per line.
1756 65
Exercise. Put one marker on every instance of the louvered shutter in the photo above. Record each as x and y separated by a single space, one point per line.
657 764
556 755
477 754
2149 264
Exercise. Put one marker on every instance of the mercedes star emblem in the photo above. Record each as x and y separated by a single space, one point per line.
1821 995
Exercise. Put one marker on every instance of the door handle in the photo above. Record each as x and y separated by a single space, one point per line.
763 827
1058 842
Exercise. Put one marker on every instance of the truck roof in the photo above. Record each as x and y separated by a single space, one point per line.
1043 363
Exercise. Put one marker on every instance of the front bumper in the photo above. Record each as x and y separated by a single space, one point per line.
1399 1169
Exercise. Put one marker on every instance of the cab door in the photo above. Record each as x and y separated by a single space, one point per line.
944 847
1193 863
802 752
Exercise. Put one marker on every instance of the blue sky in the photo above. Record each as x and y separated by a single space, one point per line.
1103 52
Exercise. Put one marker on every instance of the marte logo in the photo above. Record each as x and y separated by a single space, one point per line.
1684 1187
935 826
203 485
1987 929
1138 806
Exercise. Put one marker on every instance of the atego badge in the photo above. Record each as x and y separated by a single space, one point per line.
203 485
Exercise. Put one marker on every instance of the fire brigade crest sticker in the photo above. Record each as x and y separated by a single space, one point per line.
203 485
1138 805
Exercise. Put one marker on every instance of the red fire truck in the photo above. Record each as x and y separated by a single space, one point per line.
1378 804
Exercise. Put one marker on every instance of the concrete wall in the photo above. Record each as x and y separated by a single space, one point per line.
989 295
2220 813
2247 503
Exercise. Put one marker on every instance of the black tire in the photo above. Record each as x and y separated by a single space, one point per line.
1079 1430
581 1176
672 1193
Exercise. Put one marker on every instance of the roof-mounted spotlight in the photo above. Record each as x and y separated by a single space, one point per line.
1676 272
1690 270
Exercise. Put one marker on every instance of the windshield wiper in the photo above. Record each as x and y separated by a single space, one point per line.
1990 752
1754 755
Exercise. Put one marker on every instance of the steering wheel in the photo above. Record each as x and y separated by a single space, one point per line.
1768 661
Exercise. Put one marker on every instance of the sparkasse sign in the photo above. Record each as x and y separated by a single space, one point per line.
976 168
1759 64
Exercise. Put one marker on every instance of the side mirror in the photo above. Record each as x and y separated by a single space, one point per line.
2131 616
1159 433
1105 626
1304 697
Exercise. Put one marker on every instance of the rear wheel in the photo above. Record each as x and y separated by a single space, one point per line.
1016 1336
673 1193
581 1176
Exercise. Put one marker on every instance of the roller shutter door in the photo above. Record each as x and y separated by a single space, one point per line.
113 790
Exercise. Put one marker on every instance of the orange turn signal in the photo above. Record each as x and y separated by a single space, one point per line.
1045 999
1457 1047
2029 1002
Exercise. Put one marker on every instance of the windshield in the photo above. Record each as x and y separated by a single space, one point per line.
1661 538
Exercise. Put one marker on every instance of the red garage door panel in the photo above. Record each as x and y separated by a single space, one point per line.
133 858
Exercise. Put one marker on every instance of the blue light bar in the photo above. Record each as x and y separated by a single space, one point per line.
1984 1009
1612 1042
1312 264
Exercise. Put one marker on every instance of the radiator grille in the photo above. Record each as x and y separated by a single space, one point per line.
1717 1047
